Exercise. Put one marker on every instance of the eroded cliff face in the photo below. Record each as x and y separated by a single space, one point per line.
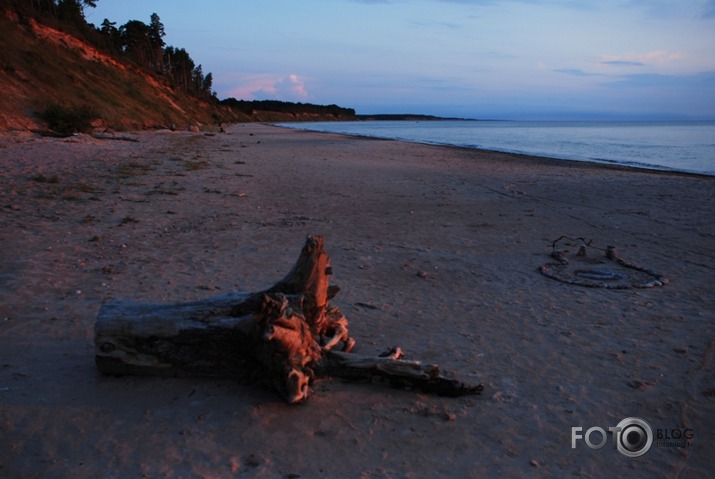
42 66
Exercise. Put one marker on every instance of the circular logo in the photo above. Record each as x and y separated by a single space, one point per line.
634 437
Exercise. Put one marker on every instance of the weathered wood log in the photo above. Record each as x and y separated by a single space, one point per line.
399 372
285 335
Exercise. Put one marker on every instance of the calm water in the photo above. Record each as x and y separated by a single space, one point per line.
679 146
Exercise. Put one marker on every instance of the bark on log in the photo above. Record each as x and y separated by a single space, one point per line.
285 335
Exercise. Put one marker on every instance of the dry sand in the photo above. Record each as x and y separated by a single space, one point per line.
436 249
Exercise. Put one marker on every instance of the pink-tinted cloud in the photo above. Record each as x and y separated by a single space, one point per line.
270 87
291 87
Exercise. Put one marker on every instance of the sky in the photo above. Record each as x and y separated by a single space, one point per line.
488 59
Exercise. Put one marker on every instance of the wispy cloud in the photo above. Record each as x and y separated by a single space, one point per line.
567 4
654 58
432 24
623 63
470 2
575 72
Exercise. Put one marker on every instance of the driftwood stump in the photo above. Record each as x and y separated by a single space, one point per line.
286 335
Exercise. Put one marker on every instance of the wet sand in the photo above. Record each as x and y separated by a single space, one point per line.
436 250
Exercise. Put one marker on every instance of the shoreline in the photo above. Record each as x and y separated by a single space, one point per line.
605 162
436 249
612 164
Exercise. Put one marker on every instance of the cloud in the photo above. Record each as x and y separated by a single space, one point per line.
625 63
270 87
575 72
470 2
291 87
657 58
654 58
430 24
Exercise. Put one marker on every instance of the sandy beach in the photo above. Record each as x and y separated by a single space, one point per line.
436 249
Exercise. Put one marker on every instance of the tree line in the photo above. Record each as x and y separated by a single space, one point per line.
144 45
67 11
141 43
248 107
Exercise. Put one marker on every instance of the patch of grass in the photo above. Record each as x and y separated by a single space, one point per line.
70 195
41 178
132 89
83 187
131 169
44 195
165 191
194 165
161 189
67 191
128 220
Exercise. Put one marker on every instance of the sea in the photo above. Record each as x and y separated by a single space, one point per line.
684 146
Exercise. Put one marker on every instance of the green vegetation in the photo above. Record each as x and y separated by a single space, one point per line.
127 220
68 120
53 188
68 73
131 169
248 107
135 41
40 178
194 165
